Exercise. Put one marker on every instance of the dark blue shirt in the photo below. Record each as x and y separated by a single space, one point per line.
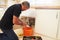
7 19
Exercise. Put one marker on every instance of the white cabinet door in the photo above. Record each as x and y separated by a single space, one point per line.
47 38
58 33
46 22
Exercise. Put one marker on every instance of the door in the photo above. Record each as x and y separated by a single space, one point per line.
46 22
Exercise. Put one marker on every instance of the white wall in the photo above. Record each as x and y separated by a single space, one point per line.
44 2
47 2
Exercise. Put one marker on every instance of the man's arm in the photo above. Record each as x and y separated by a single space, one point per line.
17 21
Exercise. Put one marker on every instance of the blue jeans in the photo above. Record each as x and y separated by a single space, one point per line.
8 35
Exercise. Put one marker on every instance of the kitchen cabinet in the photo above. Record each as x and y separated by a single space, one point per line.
47 22
46 38
58 32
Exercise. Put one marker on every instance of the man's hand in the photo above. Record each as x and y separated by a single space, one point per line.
17 21
22 23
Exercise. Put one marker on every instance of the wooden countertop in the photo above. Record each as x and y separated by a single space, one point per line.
46 7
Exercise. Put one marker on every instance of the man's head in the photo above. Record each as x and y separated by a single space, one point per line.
25 5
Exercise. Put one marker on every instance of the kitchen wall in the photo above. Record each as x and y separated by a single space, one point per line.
47 2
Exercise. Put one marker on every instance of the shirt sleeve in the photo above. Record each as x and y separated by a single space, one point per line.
16 11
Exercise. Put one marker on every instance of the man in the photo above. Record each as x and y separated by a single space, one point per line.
10 18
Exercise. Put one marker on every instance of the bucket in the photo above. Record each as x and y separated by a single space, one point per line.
27 31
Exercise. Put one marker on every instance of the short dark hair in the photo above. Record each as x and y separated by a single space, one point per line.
26 3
